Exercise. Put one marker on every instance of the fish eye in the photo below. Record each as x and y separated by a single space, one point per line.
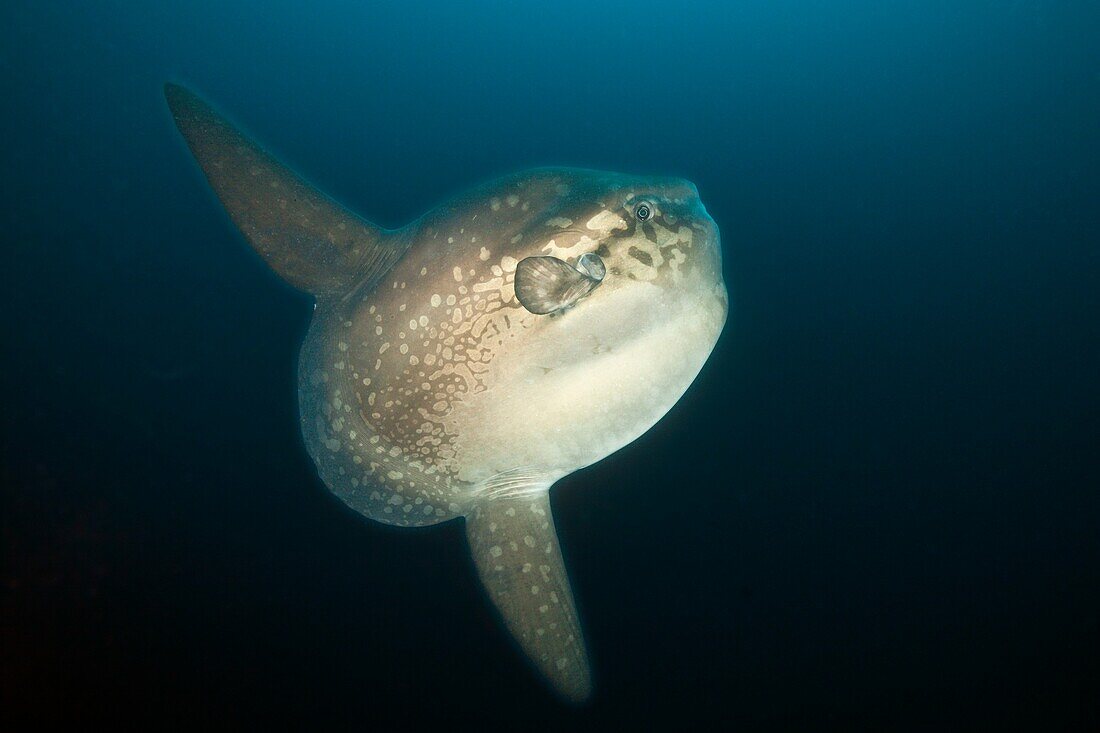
643 211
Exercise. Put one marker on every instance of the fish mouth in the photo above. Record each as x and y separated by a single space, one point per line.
710 232
713 238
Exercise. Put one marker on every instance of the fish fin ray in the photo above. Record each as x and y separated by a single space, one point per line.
548 284
516 552
309 240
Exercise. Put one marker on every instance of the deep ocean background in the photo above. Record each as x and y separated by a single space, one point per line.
876 509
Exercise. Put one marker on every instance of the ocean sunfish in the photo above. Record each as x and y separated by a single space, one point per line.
460 365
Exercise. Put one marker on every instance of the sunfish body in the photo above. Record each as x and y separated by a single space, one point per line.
460 365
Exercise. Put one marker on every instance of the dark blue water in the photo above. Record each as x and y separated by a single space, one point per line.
877 508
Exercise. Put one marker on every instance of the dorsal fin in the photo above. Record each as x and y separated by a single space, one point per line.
312 242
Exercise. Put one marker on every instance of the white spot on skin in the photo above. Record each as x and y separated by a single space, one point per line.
458 274
675 258
483 255
560 222
605 221
496 551
494 284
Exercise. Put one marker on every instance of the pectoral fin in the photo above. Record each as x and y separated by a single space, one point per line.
516 552
307 238
547 284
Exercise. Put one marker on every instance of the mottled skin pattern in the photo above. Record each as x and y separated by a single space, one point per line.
428 392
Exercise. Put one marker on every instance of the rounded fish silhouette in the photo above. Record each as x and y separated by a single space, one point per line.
460 365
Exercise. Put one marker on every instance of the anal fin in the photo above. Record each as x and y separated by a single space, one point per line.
516 551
